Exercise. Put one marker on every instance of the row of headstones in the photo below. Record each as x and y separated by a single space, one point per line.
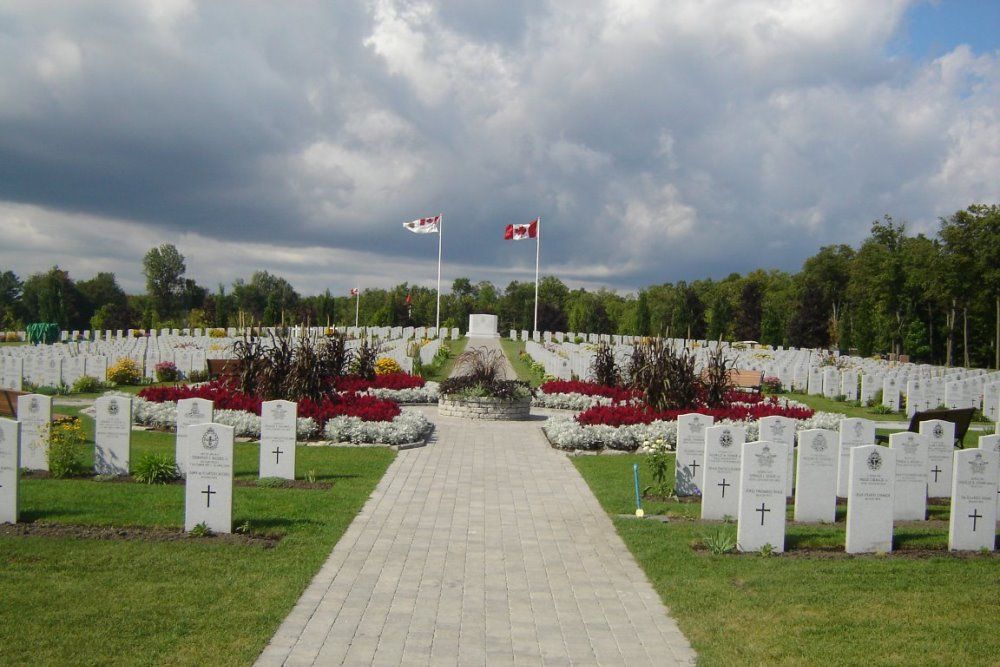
880 484
203 451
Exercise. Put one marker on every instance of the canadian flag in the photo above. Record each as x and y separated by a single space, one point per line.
424 225
354 291
521 232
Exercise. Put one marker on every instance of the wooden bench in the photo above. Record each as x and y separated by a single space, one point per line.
747 380
224 368
961 418
8 402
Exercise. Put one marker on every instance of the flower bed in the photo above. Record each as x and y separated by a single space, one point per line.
410 426
589 389
739 409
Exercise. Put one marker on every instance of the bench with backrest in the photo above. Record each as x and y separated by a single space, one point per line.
748 380
8 402
224 368
961 418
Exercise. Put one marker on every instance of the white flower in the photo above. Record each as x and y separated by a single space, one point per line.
409 426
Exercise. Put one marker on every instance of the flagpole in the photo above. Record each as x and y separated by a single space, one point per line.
538 254
357 306
437 322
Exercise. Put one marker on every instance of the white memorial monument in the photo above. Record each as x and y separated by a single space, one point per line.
483 326
972 524
208 490
10 441
277 439
870 504
112 435
689 463
761 520
721 479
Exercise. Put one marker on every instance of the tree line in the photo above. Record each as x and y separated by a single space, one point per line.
935 298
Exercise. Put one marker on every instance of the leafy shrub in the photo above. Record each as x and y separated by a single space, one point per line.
667 378
86 384
717 380
722 541
482 373
772 385
155 469
166 371
201 530
216 333
365 358
46 390
198 376
880 410
67 448
125 371
604 368
387 365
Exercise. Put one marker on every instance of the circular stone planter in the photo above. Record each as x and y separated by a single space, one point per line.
496 409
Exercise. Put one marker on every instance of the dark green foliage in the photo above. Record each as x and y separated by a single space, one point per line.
481 372
86 384
155 469
364 359
717 380
667 377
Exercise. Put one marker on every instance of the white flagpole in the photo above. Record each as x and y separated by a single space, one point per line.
538 254
357 307
437 322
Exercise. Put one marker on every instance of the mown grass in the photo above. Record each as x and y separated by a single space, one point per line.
192 601
513 349
829 405
815 608
443 372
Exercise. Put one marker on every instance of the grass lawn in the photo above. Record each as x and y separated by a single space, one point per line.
829 405
190 601
442 373
824 608
513 350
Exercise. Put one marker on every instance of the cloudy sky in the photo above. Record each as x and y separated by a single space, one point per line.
657 140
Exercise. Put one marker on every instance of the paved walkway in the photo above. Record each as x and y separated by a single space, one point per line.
485 547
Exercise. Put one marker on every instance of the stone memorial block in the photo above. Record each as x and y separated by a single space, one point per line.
689 463
910 490
190 411
870 499
854 432
890 394
34 411
972 524
761 510
277 439
849 384
940 436
780 429
112 435
720 491
831 382
992 443
208 490
10 465
816 475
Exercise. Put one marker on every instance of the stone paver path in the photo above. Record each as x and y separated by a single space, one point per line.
485 547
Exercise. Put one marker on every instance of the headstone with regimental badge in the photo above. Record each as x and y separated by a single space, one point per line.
190 411
34 411
10 440
870 504
992 443
720 491
277 439
112 435
689 464
761 512
854 432
911 476
816 472
940 436
780 429
208 490
972 524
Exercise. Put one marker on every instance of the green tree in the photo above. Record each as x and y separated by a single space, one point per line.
11 289
53 297
164 269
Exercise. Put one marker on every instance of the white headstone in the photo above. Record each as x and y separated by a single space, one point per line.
34 411
972 524
890 394
277 439
190 411
831 382
849 384
10 441
762 497
780 429
816 492
940 436
208 491
854 432
911 476
815 386
992 443
112 435
870 505
689 464
721 480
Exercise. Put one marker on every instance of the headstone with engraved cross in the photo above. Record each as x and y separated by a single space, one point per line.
689 463
190 411
870 499
208 490
940 436
972 525
10 438
277 439
992 443
761 511
720 490
816 494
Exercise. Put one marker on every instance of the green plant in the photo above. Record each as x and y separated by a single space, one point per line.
311 476
667 378
244 528
880 410
46 390
86 384
201 530
661 469
125 371
722 541
272 482
481 373
67 448
840 398
604 368
197 376
767 551
717 377
364 359
155 469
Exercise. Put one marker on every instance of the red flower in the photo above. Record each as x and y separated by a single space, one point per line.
588 389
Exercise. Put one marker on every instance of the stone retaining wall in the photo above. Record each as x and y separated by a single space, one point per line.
496 409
